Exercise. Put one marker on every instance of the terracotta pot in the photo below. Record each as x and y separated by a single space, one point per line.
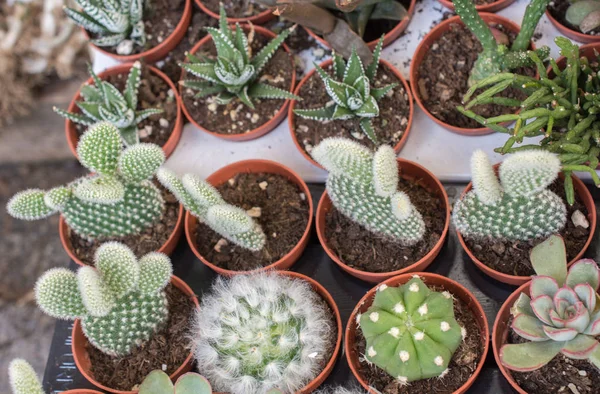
492 7
82 360
324 65
456 289
169 146
167 248
432 37
407 170
388 38
262 129
570 33
160 51
254 166
259 19
514 280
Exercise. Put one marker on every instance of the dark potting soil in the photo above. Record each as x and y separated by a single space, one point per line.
235 8
168 348
484 2
558 10
366 251
389 126
297 41
444 72
283 218
462 366
235 117
153 92
150 240
512 257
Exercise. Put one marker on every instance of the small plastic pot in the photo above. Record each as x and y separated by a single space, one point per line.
492 7
407 170
431 38
167 248
324 65
160 51
455 288
258 19
265 127
570 33
254 166
168 147
79 344
388 38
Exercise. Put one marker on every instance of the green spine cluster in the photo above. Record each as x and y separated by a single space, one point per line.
584 14
411 331
23 379
121 302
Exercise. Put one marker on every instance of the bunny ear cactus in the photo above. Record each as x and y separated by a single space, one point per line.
411 331
352 91
23 379
584 14
158 382
518 206
561 316
363 186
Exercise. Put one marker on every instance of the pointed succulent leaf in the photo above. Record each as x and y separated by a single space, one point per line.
155 272
593 328
543 285
342 113
522 305
223 43
584 271
96 297
354 69
109 40
118 268
29 205
340 156
223 22
224 98
23 379
530 328
157 382
75 118
338 91
541 307
192 383
262 90
229 219
580 348
58 197
369 109
560 334
81 19
339 66
146 113
529 356
529 172
318 114
262 57
587 295
241 43
202 70
99 148
57 294
550 259
366 125
385 171
378 93
140 162
245 97
362 85
89 109
371 70
133 83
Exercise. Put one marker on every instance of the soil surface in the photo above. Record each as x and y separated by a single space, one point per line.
366 251
443 77
283 218
484 2
235 8
462 366
558 10
512 257
168 348
235 117
389 126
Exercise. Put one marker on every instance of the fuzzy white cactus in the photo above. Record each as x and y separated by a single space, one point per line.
23 379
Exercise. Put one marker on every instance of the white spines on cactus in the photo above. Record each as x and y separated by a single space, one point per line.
121 303
363 186
203 200
340 390
519 206
254 333
23 379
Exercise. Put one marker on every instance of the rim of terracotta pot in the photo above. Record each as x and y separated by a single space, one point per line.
167 248
424 47
161 50
292 116
265 127
81 391
570 33
258 19
586 198
254 166
450 285
408 170
168 147
81 357
492 7
388 37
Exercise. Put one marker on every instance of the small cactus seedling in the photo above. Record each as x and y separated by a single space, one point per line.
561 316
519 206
104 102
410 331
121 302
254 333
23 379
352 91
203 200
118 200
363 186
584 14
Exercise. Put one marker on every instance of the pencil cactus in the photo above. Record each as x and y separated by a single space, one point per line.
23 379
351 91
561 316
584 14
363 186
121 302
260 332
203 200
411 331
518 206
118 200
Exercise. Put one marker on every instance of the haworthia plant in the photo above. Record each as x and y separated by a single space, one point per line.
363 186
121 302
23 379
104 102
411 331
561 314
352 90
584 14
517 206
234 73
117 200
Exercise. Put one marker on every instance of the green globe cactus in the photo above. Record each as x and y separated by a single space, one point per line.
363 186
117 200
203 200
121 303
23 379
410 331
561 316
518 206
